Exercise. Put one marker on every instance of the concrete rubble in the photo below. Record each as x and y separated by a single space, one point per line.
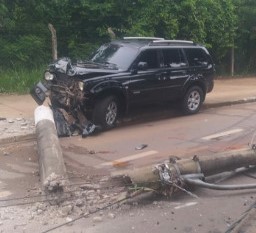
52 209
13 128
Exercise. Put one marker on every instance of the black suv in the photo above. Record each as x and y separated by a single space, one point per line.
132 71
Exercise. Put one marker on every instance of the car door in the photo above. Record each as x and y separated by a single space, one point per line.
146 85
176 72
201 66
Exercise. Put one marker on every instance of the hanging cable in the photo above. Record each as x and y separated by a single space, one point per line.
200 183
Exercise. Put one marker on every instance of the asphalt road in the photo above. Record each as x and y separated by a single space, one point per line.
165 133
209 132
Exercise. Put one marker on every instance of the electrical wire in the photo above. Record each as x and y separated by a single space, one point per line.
226 175
27 199
203 184
42 201
242 217
45 195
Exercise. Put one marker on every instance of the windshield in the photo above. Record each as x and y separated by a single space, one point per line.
115 54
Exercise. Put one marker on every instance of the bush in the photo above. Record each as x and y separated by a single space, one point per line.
28 51
19 80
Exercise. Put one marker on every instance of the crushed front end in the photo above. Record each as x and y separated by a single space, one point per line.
66 93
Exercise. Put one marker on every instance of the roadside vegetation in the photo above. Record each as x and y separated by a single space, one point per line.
226 27
19 80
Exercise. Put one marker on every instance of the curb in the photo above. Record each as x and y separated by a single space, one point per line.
32 136
18 138
227 103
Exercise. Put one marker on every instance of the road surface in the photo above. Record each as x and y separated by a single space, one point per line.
165 134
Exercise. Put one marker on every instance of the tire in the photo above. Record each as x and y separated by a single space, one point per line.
192 100
106 112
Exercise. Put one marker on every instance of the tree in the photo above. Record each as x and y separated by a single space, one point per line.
246 36
209 22
82 25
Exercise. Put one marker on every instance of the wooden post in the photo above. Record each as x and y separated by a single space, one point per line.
54 42
111 34
232 60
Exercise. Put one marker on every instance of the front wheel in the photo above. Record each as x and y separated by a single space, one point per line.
192 100
106 112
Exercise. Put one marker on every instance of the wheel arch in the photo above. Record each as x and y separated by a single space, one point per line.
116 92
193 84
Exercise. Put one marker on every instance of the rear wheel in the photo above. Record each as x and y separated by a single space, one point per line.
106 112
192 100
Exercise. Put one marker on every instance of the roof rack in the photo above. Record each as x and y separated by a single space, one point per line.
168 42
144 38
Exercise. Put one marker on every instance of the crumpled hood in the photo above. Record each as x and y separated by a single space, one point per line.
65 66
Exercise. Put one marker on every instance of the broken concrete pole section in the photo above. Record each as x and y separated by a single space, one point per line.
207 165
51 164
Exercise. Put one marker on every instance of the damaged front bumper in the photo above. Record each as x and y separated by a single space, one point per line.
66 105
39 92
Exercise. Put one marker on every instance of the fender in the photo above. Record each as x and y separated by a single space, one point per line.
194 79
112 87
107 85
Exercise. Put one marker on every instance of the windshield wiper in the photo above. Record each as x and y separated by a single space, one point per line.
88 63
112 65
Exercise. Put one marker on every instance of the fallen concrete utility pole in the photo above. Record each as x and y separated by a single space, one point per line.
177 172
51 164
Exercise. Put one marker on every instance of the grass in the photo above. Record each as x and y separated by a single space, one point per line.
19 80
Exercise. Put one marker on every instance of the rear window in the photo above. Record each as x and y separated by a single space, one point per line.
196 57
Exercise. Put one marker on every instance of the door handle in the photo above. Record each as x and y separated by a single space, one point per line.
179 72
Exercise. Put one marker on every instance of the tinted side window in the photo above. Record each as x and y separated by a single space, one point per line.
151 57
196 57
173 58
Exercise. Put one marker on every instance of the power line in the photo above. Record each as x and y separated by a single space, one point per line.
28 202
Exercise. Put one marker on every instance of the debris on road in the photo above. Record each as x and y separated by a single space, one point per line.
11 129
141 147
47 211
73 123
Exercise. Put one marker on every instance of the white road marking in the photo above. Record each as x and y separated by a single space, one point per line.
222 134
185 205
5 194
127 158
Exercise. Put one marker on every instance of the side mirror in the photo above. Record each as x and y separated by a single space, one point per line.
142 65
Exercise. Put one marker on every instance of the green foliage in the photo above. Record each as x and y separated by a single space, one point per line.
153 18
19 80
81 51
27 50
208 22
246 36
82 25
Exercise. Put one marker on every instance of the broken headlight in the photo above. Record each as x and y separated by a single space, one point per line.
81 86
48 76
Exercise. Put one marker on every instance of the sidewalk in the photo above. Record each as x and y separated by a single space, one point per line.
230 91
17 111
